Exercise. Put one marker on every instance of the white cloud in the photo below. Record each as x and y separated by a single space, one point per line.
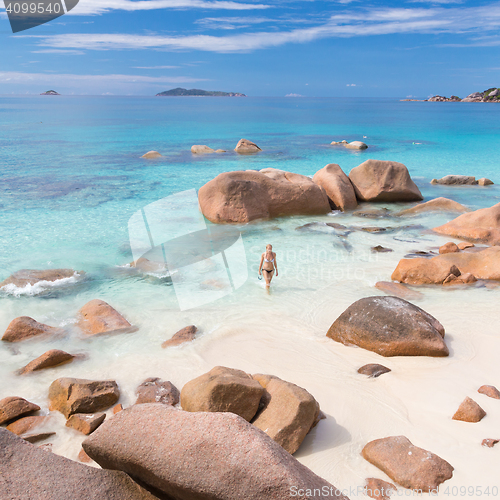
156 67
230 23
351 85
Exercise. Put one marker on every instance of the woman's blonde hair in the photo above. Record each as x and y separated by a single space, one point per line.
269 246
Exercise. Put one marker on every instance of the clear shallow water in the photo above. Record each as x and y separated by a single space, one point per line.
71 177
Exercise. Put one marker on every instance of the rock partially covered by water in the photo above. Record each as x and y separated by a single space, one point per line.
455 180
24 327
26 424
28 472
469 411
186 334
356 145
223 390
482 225
406 464
437 205
49 359
73 395
154 390
338 187
199 150
390 326
485 182
15 407
240 197
151 155
26 277
288 412
398 290
98 316
232 459
86 423
245 146
388 181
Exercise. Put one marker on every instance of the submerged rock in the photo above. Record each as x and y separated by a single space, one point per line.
385 181
437 205
201 150
223 390
151 154
98 316
237 197
455 180
26 277
186 334
390 326
73 395
338 187
30 472
154 390
15 407
379 489
381 249
245 146
406 464
398 290
288 412
232 459
469 411
24 327
373 370
51 358
481 225
26 424
490 391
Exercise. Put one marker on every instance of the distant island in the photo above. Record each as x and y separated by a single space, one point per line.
490 95
198 92
50 92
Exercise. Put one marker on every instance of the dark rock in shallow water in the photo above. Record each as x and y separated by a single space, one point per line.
373 370
398 290
28 472
15 407
26 277
24 327
381 249
154 390
50 359
186 334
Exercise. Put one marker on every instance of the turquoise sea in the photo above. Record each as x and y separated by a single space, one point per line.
71 177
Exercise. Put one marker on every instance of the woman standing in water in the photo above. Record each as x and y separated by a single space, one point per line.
268 265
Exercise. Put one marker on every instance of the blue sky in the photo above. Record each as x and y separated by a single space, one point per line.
345 48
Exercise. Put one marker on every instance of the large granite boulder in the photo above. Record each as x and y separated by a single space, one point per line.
74 395
455 180
223 390
288 412
49 359
154 390
481 225
26 277
436 205
338 187
245 146
385 181
240 197
480 263
98 316
24 327
406 464
200 456
30 473
390 326
14 407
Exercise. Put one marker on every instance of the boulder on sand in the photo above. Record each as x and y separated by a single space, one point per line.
373 370
378 489
151 154
483 264
26 277
338 187
27 472
154 390
223 390
51 358
186 334
192 456
406 464
240 197
469 411
482 225
455 180
98 316
384 181
24 327
490 391
14 407
74 395
198 150
287 412
390 326
245 146
437 205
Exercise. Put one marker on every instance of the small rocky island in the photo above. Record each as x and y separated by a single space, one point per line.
50 92
197 92
490 95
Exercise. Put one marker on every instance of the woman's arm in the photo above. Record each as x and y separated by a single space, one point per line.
260 265
275 264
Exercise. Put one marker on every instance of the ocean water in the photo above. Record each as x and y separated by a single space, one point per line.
72 177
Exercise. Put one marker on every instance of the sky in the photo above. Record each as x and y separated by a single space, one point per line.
311 48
